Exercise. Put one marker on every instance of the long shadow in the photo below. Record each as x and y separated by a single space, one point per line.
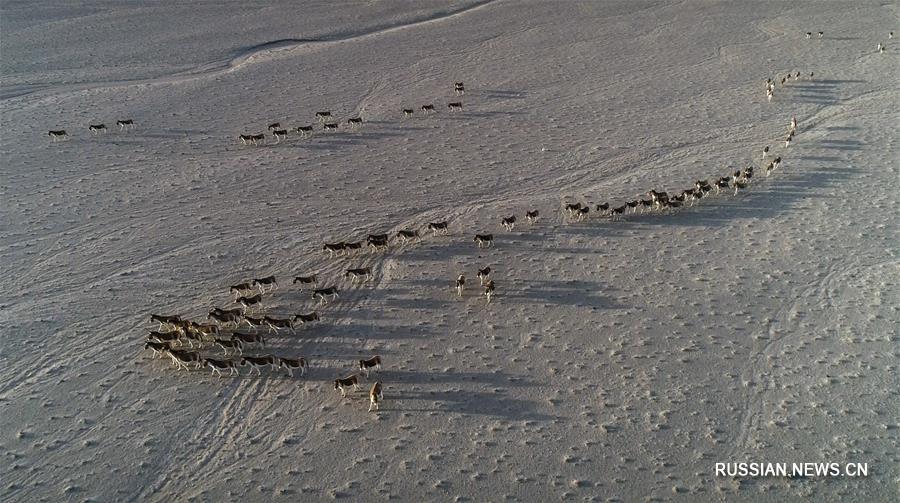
502 94
478 403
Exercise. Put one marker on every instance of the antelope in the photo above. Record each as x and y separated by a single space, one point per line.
225 317
439 227
125 124
375 396
202 328
371 363
305 131
484 240
765 152
377 244
646 203
255 300
252 322
279 134
96 129
306 280
787 141
509 223
456 105
247 339
322 294
460 90
58 134
306 318
265 283
460 285
406 235
483 275
531 216
181 359
275 125
821 34
227 344
218 366
346 383
620 210
164 321
158 348
362 273
164 337
330 126
582 213
252 139
278 323
322 116
290 365
489 290
602 207
572 208
407 112
428 108
808 35
257 362
354 122
332 248
241 288
353 246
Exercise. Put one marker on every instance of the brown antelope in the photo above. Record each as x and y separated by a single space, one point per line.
125 124
333 248
181 359
484 240
255 300
306 318
254 323
406 235
305 131
489 290
225 316
273 126
323 116
439 227
258 362
509 222
158 348
252 139
460 285
164 321
241 288
354 122
322 294
345 384
456 105
407 112
164 337
58 134
306 280
96 129
375 396
531 216
247 339
330 126
483 274
371 363
290 365
276 324
227 344
218 366
363 274
267 284
428 108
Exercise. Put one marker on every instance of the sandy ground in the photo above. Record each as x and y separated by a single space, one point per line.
619 361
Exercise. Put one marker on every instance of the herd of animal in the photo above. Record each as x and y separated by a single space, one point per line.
328 122
219 343
95 129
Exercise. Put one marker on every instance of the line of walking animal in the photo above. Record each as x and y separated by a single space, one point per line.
95 130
